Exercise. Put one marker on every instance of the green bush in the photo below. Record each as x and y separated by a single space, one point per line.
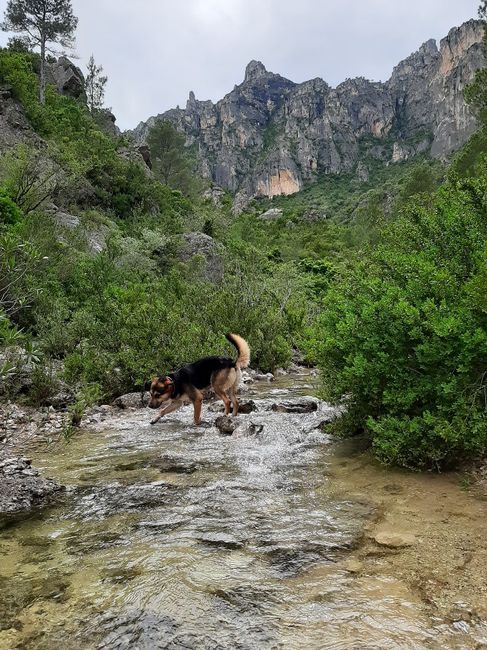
10 213
404 333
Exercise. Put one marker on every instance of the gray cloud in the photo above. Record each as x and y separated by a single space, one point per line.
155 51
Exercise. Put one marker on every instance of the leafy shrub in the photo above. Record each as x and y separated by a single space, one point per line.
10 213
404 333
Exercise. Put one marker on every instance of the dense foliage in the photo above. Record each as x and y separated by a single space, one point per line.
403 332
119 316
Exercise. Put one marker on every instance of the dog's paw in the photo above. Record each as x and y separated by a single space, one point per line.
154 421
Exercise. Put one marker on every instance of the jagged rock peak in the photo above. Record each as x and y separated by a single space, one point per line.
271 136
254 70
430 47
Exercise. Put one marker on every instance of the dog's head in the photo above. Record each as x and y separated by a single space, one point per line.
161 390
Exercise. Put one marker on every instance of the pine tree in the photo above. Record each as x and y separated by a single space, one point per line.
170 158
43 22
95 86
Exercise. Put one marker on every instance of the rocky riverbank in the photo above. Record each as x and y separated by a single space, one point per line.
24 488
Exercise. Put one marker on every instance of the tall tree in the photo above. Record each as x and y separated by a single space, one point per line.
95 85
43 22
170 158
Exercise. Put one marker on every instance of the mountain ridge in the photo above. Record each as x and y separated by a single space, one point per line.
271 136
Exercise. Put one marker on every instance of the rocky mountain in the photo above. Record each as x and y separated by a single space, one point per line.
270 136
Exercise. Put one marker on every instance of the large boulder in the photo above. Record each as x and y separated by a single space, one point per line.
68 78
271 215
132 400
95 235
23 488
194 244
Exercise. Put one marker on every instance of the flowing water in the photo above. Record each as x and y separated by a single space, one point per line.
175 536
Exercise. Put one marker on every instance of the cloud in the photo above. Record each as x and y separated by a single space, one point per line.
155 51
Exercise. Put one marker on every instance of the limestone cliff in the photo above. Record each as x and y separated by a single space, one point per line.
270 136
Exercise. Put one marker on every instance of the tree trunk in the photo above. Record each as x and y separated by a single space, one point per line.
42 83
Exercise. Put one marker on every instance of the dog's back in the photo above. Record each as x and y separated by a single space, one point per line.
199 374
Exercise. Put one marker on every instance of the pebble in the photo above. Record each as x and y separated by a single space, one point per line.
394 540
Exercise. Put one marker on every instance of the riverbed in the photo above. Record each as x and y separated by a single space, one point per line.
279 536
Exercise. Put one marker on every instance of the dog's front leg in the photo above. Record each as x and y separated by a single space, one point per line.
162 412
197 411
173 406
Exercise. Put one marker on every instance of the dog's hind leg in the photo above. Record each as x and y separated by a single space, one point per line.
223 396
234 399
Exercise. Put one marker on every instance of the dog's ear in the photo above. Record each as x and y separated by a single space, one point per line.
168 381
147 385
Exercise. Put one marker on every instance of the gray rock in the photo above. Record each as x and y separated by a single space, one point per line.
215 195
226 424
297 405
96 235
249 429
268 376
221 540
23 488
271 215
68 78
144 151
132 400
198 244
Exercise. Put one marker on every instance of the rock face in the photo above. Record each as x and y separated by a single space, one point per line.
270 136
67 77
194 244
23 488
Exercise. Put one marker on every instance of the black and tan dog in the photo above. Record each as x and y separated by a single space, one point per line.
186 384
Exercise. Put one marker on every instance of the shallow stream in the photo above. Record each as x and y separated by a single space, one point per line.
176 536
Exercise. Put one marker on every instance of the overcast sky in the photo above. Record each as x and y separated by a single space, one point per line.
155 51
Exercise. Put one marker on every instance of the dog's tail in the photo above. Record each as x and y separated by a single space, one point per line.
243 349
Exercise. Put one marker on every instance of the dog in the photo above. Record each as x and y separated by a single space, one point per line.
187 384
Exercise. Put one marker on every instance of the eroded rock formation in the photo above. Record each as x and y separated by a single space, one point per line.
270 136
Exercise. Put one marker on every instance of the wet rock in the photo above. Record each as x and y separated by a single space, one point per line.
297 405
249 429
394 540
174 464
132 400
120 574
99 503
141 629
167 524
220 540
354 566
268 376
226 424
247 377
247 406
22 487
